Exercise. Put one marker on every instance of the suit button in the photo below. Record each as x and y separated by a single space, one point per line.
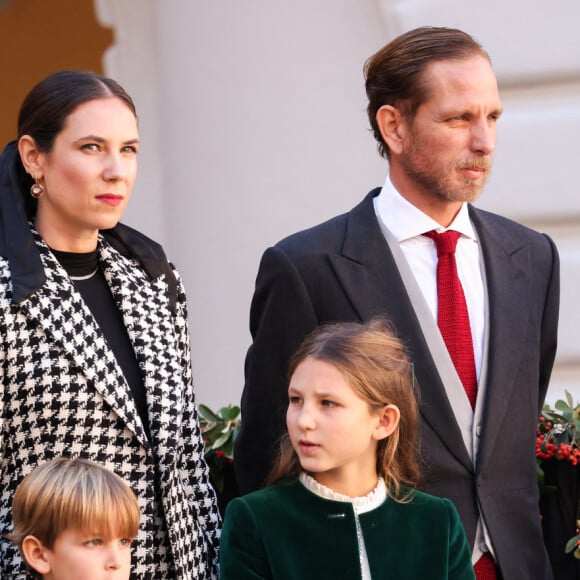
478 430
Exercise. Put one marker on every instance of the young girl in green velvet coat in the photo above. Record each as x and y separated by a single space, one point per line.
343 503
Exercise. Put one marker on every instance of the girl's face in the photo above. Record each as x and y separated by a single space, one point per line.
334 431
88 175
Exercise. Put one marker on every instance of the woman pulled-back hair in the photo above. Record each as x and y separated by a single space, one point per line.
94 345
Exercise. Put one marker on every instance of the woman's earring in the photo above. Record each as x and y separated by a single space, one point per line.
36 190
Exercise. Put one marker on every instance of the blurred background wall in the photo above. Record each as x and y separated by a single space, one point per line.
253 126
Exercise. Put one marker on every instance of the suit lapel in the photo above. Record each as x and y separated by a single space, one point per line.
368 273
60 311
146 310
507 270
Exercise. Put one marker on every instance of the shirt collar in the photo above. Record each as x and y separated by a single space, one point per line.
406 221
361 504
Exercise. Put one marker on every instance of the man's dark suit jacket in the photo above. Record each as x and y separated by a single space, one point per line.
343 270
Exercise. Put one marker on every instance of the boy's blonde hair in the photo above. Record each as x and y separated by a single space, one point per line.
73 494
374 363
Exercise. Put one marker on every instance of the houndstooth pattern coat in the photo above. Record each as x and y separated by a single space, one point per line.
62 393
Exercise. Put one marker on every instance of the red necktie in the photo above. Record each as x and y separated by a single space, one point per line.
485 568
452 315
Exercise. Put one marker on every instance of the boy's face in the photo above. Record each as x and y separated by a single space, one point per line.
77 555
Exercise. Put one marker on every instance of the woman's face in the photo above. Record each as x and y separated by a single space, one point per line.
88 175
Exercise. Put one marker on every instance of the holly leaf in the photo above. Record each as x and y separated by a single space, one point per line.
572 544
207 414
230 413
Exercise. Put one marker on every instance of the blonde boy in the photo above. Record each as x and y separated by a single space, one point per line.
75 519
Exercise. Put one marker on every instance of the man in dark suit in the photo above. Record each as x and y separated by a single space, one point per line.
433 107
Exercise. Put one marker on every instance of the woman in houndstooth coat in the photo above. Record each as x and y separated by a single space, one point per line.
94 355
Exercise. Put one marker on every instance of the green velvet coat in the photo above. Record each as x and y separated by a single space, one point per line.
286 532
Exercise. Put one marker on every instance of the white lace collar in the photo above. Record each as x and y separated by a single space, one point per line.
361 504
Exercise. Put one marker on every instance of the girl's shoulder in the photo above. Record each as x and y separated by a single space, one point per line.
416 500
286 496
419 496
287 488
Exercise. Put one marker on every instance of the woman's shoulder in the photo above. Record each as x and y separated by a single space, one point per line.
4 275
129 241
150 254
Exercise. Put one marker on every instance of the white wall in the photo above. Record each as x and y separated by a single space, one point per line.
253 123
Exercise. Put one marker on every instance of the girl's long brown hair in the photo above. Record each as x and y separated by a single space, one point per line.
374 362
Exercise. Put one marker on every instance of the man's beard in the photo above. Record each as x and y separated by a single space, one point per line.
446 184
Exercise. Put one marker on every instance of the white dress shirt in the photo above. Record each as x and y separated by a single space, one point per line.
406 224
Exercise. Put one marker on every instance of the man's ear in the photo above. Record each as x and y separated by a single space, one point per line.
388 422
392 125
31 156
35 554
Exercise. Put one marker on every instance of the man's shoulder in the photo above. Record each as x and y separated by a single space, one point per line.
330 232
498 222
512 236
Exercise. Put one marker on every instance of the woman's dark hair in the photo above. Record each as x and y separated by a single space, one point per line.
394 74
46 107
374 363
